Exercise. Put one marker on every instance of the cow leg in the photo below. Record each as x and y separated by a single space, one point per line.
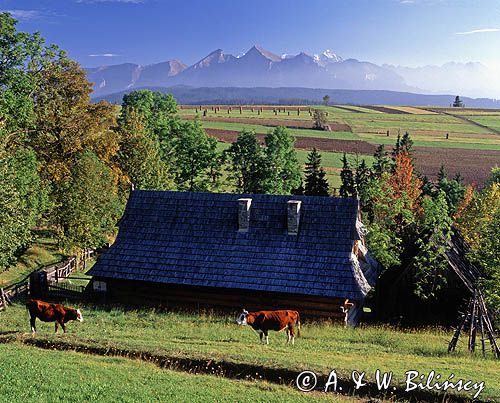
287 335
292 335
63 327
261 334
57 326
267 337
32 323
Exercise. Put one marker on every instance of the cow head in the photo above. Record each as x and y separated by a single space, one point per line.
79 316
242 318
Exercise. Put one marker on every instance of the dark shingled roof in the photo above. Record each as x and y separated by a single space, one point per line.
192 238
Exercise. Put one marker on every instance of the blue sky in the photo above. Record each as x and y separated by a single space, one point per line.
407 32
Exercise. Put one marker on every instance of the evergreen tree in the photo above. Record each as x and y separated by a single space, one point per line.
432 241
347 189
382 161
316 183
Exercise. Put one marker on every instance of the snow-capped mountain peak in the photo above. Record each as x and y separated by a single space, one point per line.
328 56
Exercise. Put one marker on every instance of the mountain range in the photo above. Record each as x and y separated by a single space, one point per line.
259 67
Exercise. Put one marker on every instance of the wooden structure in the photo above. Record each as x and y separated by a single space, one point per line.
475 319
229 251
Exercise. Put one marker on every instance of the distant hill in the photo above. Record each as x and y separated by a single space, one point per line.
302 96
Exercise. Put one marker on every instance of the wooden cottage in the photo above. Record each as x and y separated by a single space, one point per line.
230 251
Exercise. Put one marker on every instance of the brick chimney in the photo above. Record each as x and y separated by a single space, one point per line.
293 216
244 214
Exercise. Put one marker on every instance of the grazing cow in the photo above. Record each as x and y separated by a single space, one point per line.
51 313
263 321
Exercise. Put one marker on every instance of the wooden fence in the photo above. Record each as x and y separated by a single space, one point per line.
51 274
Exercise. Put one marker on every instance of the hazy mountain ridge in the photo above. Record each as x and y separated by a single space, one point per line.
302 96
259 67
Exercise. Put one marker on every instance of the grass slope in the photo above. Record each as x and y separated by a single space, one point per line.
322 347
28 374
43 252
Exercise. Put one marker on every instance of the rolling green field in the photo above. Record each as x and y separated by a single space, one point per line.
428 129
321 348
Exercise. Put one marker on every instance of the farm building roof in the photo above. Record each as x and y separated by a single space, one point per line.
191 238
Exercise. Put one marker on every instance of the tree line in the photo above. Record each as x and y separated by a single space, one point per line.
410 219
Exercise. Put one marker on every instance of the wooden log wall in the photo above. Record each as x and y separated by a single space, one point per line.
226 300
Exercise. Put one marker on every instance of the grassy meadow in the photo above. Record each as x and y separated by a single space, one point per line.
29 374
321 347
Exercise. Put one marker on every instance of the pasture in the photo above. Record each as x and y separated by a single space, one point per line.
471 149
321 348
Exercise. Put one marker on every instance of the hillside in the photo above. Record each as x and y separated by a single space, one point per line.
301 96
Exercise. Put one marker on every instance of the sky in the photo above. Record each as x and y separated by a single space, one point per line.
400 32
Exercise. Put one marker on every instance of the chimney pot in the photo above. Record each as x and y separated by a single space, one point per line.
293 216
244 214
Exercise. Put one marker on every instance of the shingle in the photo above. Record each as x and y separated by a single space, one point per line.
192 239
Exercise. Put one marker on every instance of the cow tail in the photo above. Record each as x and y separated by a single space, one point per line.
298 324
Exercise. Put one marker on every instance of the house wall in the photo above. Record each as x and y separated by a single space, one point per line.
226 300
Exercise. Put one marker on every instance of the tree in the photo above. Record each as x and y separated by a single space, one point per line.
319 119
15 232
67 123
91 206
326 100
283 174
479 224
453 189
432 242
246 160
382 162
193 156
458 102
348 187
316 183
139 155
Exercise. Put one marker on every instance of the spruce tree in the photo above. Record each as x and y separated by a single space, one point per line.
346 175
316 182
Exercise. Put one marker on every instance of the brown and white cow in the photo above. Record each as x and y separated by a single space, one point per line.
263 321
47 312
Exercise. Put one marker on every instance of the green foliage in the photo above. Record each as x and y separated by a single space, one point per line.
453 189
157 110
348 188
14 233
383 163
91 207
480 226
246 161
319 119
326 100
315 181
195 157
139 155
283 170
434 233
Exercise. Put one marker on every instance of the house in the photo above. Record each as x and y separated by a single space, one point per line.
230 251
